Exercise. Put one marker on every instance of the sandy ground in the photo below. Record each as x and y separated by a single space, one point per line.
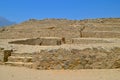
20 73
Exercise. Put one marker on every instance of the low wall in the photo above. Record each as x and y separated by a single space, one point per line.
77 59
88 41
74 59
101 34
40 41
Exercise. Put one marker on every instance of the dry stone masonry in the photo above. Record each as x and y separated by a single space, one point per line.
57 59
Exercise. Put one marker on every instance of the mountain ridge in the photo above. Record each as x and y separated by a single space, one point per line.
5 22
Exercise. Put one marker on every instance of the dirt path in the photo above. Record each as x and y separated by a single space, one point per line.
18 73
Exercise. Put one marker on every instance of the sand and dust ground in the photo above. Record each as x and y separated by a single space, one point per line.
20 73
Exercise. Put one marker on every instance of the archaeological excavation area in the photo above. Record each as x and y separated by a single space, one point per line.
58 44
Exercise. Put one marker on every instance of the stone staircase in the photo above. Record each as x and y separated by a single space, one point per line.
20 60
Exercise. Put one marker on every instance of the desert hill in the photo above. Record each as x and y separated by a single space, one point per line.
98 28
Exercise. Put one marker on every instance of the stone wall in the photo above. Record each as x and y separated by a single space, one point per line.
77 59
40 41
88 41
74 59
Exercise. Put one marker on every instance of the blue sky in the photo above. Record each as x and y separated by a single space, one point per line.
21 10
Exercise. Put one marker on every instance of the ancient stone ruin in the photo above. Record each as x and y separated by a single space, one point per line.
89 58
46 41
4 54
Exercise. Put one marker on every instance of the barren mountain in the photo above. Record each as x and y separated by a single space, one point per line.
5 22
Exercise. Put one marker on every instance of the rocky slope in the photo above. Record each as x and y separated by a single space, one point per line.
99 28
